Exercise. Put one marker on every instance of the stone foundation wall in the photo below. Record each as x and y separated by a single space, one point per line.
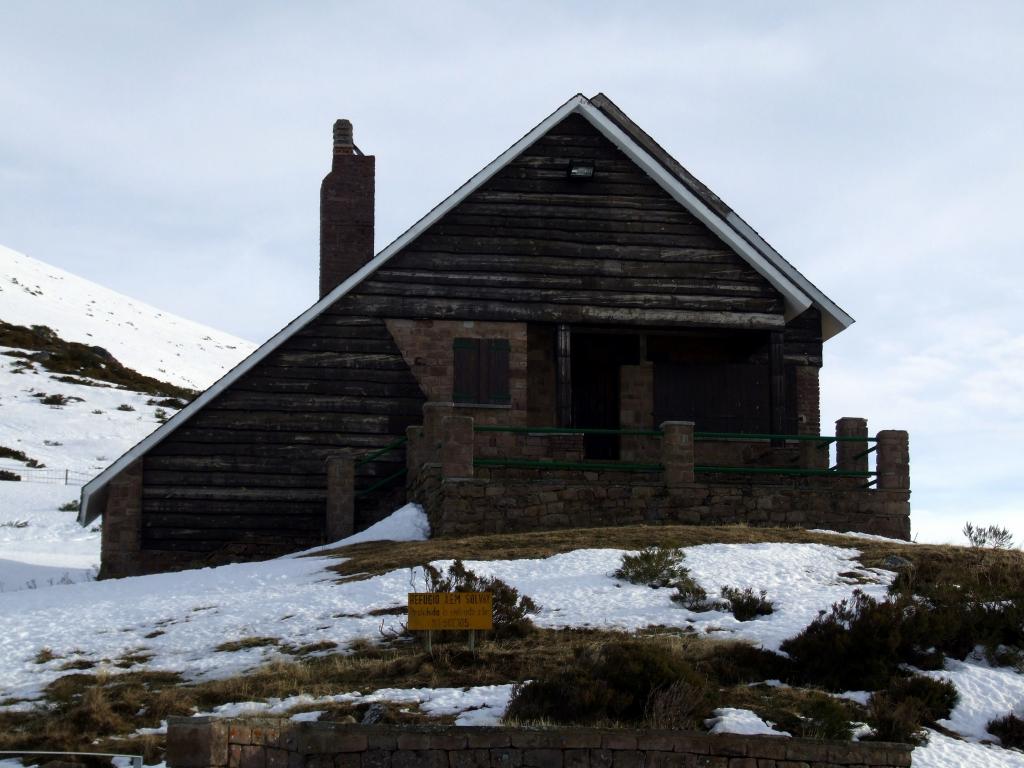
209 743
515 500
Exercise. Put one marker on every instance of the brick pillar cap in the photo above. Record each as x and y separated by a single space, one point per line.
678 424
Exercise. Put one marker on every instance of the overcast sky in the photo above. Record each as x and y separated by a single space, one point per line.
174 152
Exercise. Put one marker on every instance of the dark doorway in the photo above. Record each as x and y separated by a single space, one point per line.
596 359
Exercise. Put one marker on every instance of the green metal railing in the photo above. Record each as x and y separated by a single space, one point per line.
826 439
823 440
569 431
623 466
373 456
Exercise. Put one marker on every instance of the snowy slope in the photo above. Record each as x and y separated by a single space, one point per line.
152 342
64 444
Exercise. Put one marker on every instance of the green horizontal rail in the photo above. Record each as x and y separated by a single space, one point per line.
568 431
584 465
824 439
381 483
380 451
783 471
752 436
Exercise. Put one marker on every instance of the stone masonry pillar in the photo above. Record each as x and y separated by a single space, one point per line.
851 455
341 497
677 453
197 742
121 538
457 448
893 462
434 414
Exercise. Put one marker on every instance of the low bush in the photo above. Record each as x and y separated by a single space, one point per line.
899 721
935 699
167 402
652 566
125 407
906 705
854 646
1009 730
746 604
69 506
511 610
57 400
742 664
633 681
5 475
692 596
814 716
994 536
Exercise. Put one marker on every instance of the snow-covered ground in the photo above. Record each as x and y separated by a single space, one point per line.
144 338
178 621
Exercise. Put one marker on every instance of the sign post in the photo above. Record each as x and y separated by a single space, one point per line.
451 610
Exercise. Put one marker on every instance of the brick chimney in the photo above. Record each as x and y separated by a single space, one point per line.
346 211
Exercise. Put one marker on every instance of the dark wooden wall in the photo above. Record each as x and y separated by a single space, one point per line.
251 463
530 245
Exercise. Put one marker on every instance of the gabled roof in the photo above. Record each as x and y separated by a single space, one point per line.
798 292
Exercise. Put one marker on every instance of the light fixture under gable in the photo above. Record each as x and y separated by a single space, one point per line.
581 169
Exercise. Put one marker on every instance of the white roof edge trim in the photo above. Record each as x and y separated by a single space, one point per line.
158 435
835 319
796 300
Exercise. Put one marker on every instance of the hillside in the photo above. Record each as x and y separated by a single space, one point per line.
320 635
85 373
143 338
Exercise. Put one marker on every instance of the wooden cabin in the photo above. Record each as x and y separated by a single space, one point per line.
582 334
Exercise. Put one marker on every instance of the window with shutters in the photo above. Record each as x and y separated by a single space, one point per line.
481 372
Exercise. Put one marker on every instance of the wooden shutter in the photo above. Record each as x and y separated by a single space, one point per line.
495 372
481 371
466 379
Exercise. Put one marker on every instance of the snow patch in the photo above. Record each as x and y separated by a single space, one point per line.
743 721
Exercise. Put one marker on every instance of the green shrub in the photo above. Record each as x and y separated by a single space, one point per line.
633 681
814 716
899 721
511 610
935 698
652 566
692 596
167 402
11 476
994 536
1009 730
746 604
125 407
740 663
855 645
69 506
907 704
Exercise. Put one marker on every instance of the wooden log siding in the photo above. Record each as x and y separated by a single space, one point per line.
528 246
250 466
533 245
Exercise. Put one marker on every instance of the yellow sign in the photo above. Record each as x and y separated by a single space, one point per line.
450 610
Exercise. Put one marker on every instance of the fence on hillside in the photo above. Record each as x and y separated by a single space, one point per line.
49 475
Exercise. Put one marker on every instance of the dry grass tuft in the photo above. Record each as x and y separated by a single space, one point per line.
246 642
